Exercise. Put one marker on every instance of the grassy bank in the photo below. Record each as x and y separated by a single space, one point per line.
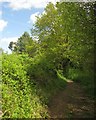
22 95
85 78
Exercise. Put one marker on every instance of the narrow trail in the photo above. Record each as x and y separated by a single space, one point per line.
71 102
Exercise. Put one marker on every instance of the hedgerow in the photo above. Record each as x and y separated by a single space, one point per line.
19 95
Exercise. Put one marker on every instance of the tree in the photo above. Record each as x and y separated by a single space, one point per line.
12 46
1 51
65 32
24 44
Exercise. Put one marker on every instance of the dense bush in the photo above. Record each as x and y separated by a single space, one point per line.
40 69
19 96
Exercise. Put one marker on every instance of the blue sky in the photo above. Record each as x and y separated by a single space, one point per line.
18 21
18 16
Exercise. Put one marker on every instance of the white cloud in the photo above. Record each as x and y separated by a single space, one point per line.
0 13
3 24
4 43
27 4
33 17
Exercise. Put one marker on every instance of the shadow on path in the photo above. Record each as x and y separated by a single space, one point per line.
71 102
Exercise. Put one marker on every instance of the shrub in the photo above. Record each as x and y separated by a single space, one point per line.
19 95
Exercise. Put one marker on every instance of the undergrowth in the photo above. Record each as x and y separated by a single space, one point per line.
85 78
19 96
27 86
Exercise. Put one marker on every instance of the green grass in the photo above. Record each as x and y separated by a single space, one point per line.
85 78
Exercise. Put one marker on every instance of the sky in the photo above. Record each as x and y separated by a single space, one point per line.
18 16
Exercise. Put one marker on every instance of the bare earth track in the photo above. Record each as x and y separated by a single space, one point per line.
71 102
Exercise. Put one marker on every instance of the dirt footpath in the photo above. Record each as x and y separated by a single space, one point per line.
71 102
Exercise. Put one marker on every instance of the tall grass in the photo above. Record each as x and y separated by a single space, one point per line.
85 78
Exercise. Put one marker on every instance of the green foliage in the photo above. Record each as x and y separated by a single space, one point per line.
24 44
19 96
12 46
85 78
65 48
43 74
66 39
